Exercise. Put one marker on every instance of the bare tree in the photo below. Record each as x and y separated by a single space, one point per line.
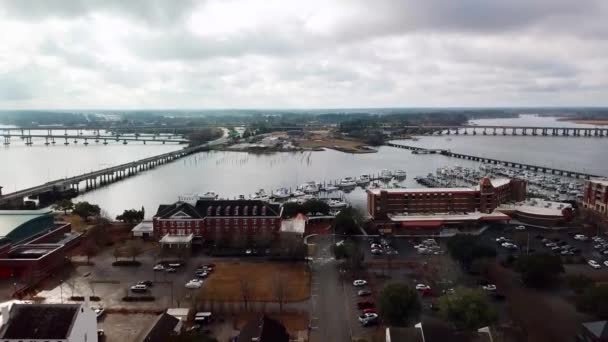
133 249
246 290
280 290
90 250
92 287
117 253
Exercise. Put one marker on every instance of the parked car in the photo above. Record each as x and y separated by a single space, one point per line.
170 270
365 305
520 228
194 284
159 267
489 287
594 264
606 263
359 282
421 287
367 316
139 288
364 293
580 237
148 283
99 311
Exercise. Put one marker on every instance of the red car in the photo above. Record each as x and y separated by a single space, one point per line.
365 305
369 310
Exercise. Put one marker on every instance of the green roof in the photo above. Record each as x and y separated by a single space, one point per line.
21 224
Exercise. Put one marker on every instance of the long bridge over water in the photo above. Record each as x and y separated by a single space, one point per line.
51 139
510 130
525 166
95 179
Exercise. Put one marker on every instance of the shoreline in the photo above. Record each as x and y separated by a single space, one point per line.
597 122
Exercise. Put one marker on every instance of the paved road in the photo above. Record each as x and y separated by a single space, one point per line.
330 309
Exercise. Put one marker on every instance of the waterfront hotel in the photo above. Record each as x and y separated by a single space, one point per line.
595 195
429 208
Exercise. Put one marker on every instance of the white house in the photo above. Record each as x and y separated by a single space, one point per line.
48 322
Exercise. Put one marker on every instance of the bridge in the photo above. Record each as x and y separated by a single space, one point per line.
510 130
52 139
544 169
95 179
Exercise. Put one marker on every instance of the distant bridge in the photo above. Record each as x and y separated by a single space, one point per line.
102 177
544 169
66 138
509 130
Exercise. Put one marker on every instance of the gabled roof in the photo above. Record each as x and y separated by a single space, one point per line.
163 327
263 329
200 210
166 211
40 321
598 329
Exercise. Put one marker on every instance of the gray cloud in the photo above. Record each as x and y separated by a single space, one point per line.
340 53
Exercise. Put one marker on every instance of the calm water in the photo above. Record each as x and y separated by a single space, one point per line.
235 173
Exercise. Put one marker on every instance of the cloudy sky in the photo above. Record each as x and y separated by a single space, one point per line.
302 54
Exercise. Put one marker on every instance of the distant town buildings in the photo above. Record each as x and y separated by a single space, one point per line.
595 195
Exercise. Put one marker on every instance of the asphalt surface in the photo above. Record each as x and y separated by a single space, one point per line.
330 305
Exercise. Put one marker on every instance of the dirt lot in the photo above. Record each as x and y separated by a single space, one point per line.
319 140
261 279
124 327
586 122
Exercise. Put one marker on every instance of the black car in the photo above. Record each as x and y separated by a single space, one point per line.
148 283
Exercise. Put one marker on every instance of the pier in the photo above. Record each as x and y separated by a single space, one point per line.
95 179
97 137
544 169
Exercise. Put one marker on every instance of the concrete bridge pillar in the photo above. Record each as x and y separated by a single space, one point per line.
494 132
524 131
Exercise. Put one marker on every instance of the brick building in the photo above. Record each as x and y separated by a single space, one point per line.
435 207
218 219
595 195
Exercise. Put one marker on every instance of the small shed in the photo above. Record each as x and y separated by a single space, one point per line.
144 229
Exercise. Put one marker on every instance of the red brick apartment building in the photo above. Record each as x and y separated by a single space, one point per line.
434 207
595 195
218 219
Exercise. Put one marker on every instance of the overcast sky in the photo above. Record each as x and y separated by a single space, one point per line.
302 54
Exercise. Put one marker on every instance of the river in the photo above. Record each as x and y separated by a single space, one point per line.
234 173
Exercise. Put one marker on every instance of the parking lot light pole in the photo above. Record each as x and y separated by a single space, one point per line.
419 326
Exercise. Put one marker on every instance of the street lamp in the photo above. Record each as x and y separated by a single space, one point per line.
486 330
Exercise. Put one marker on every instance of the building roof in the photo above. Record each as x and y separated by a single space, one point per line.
443 217
164 326
598 329
40 321
144 227
12 220
419 190
263 329
204 208
538 207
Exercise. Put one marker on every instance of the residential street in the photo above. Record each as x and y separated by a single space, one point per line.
330 310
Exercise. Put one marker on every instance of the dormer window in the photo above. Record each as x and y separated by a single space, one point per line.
228 211
218 210
236 211
255 210
245 210
264 211
209 210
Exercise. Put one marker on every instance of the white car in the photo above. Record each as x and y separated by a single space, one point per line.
606 263
421 287
489 287
509 245
368 316
159 267
194 284
359 282
520 228
580 237
594 264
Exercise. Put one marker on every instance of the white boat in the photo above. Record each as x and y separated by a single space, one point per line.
336 204
309 187
374 185
386 175
281 193
347 182
260 195
363 179
330 188
192 198
400 174
298 193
